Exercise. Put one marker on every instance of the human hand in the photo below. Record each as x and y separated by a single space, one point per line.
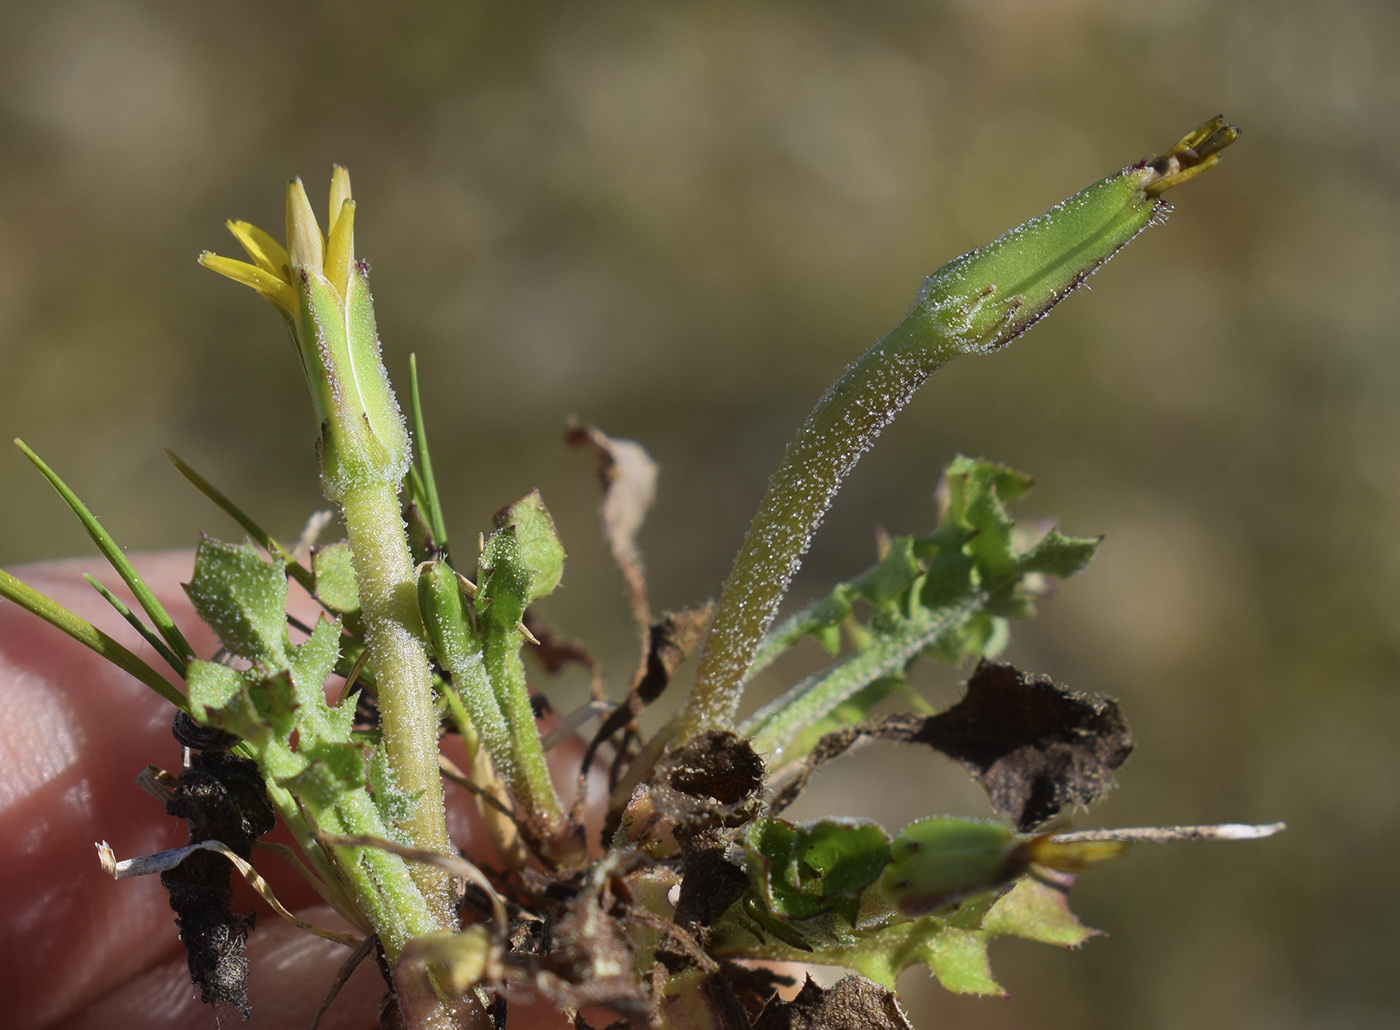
78 950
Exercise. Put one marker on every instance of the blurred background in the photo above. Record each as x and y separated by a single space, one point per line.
679 222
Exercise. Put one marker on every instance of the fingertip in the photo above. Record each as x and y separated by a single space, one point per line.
289 975
75 732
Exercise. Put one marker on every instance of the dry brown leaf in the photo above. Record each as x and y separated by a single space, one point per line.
1034 746
628 475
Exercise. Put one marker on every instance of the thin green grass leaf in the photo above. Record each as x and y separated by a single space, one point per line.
164 624
147 634
264 539
423 463
88 635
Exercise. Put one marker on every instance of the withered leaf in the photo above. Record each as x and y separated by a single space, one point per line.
617 1024
711 883
707 789
628 475
557 652
1034 746
589 957
726 1010
756 987
719 770
854 1003
670 640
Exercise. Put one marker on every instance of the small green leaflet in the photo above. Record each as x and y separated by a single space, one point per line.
946 595
279 697
841 892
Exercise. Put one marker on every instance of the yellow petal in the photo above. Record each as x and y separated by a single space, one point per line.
266 252
305 245
273 288
340 193
340 248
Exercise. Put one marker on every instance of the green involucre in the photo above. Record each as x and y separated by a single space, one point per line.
363 437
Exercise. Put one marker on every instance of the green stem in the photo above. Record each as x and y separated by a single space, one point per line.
974 304
472 702
383 883
532 781
842 427
389 608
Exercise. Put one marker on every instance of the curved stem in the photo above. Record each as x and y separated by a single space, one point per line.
976 303
842 427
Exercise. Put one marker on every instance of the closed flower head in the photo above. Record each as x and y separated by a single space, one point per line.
323 292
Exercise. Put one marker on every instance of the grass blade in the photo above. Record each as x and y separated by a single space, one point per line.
424 464
264 539
88 635
164 624
146 632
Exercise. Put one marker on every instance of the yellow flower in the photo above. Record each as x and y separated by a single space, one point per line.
315 282
274 268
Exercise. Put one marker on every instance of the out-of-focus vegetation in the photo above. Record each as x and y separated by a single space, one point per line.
679 222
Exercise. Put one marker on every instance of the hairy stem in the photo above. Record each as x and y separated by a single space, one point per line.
389 606
976 303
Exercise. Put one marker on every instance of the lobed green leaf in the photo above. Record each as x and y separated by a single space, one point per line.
841 892
334 570
946 595
243 599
